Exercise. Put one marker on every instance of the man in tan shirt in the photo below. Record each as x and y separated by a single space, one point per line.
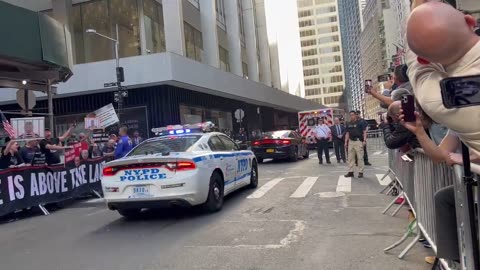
443 44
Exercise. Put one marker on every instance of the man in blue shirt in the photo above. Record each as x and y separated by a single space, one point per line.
124 144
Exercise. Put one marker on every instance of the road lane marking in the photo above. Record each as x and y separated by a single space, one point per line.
304 188
344 184
95 200
265 188
377 153
385 181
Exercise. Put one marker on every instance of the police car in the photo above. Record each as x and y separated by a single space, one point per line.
183 166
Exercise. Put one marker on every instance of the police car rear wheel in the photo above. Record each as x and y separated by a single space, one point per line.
214 201
130 213
254 176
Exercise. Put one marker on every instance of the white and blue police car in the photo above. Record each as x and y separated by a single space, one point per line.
184 166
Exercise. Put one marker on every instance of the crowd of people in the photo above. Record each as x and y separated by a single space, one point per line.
48 150
442 43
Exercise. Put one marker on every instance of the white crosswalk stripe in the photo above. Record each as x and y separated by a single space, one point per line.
304 188
265 188
344 184
385 181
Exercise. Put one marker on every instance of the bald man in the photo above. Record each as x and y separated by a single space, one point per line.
443 44
395 135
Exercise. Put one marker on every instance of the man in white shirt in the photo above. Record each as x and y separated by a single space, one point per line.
443 44
323 135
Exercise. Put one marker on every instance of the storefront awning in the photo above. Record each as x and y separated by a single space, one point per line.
34 49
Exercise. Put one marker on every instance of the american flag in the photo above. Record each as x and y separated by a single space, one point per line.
6 126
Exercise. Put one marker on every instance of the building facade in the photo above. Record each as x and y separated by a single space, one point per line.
350 23
185 61
321 41
378 44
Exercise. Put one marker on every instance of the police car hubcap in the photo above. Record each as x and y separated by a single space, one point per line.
216 192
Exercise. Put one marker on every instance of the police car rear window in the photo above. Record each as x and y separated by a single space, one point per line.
166 144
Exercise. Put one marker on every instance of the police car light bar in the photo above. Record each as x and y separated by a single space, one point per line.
185 129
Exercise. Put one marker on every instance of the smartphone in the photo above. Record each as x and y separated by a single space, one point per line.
384 78
408 107
368 85
458 92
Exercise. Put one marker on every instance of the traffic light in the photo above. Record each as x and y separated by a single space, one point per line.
120 74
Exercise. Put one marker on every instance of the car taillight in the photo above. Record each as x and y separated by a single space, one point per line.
110 171
256 143
181 166
286 142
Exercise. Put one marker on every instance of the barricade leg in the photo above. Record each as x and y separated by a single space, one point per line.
44 210
409 247
399 207
404 237
392 203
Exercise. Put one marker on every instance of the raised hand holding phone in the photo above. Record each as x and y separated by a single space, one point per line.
408 108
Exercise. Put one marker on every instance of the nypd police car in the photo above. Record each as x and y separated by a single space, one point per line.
183 166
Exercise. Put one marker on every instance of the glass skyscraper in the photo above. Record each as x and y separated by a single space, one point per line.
350 23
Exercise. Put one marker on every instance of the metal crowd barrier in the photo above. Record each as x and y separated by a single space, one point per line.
375 139
419 180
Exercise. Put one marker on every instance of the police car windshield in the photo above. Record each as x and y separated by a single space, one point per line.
276 134
166 144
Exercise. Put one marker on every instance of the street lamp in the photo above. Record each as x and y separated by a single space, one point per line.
120 94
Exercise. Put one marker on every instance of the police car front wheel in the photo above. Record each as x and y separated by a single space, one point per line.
254 176
214 201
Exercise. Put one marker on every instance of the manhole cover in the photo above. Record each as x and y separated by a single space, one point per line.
330 194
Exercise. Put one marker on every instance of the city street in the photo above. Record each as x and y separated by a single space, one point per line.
295 219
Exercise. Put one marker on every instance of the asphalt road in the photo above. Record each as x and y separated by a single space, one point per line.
295 220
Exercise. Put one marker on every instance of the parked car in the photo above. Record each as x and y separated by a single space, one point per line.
281 144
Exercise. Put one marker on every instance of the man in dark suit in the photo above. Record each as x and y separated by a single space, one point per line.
338 135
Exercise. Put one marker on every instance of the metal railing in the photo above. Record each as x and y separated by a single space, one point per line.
418 181
375 139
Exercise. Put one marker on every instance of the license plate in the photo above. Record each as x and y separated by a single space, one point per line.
141 192
270 150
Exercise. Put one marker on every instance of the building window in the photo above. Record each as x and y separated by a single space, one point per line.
328 39
311 72
313 92
328 29
319 2
324 10
154 26
310 62
332 79
305 3
317 100
326 70
306 23
332 100
224 62
326 50
305 13
330 59
309 42
309 52
309 82
220 12
193 43
333 89
307 33
125 13
331 19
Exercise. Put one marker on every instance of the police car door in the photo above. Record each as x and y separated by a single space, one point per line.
225 161
242 161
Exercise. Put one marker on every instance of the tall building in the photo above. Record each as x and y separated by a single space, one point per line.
349 12
184 60
377 44
282 36
322 51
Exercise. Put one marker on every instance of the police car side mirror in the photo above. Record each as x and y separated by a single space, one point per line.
243 147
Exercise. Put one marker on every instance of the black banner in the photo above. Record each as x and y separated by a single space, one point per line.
25 187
